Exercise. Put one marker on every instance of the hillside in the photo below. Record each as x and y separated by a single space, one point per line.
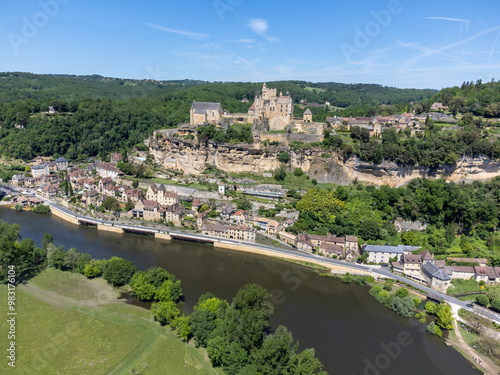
98 115
481 99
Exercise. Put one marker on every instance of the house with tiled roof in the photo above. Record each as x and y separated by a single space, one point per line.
331 250
174 213
288 238
304 243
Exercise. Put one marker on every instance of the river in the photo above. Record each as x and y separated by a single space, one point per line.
347 327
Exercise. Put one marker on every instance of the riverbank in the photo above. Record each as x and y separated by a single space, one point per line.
72 325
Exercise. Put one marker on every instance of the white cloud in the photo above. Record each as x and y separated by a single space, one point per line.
258 25
186 34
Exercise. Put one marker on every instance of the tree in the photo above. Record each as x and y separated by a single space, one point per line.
433 329
284 157
129 205
93 269
483 300
444 318
47 240
119 271
369 230
280 173
402 292
274 355
169 291
143 289
403 306
244 204
111 204
165 312
184 327
298 172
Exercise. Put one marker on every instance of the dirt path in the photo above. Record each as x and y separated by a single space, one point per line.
486 365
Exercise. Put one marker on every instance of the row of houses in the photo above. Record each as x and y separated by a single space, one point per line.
233 232
424 268
345 247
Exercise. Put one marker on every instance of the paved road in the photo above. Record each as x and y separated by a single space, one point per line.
377 270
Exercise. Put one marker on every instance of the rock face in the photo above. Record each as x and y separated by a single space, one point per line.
193 158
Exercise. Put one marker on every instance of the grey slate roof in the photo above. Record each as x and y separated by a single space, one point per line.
202 107
431 270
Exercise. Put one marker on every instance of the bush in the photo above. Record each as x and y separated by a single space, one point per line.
41 209
119 271
402 292
18 207
284 157
347 279
298 172
430 307
483 300
433 329
403 306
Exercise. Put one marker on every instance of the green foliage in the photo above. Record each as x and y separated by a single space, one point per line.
184 327
236 336
119 271
402 292
495 304
41 209
284 157
18 207
433 329
298 172
347 279
483 300
444 318
93 269
430 307
280 173
243 203
165 312
111 204
403 306
24 256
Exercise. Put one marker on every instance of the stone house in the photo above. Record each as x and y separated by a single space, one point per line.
40 170
304 243
331 250
61 163
18 180
174 214
308 116
160 194
289 238
205 113
90 197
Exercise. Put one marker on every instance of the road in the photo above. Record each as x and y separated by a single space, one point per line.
376 270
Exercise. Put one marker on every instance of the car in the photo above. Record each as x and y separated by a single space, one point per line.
470 305
497 316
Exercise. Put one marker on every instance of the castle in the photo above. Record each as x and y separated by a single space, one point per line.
278 109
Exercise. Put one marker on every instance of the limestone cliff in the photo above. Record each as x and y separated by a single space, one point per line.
193 157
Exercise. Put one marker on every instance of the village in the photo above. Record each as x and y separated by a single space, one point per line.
97 187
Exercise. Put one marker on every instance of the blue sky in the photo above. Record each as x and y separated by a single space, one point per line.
405 43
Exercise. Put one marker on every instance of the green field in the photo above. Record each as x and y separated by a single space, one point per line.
67 324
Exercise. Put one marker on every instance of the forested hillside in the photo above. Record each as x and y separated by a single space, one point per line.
481 99
98 115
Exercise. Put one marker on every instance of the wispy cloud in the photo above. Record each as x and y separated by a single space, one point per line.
186 34
260 26
462 21
245 41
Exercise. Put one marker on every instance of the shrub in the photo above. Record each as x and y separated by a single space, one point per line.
41 209
402 292
433 329
347 279
483 300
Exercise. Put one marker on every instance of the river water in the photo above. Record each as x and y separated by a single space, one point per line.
350 331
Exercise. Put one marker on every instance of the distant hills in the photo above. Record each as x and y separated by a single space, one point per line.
22 86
